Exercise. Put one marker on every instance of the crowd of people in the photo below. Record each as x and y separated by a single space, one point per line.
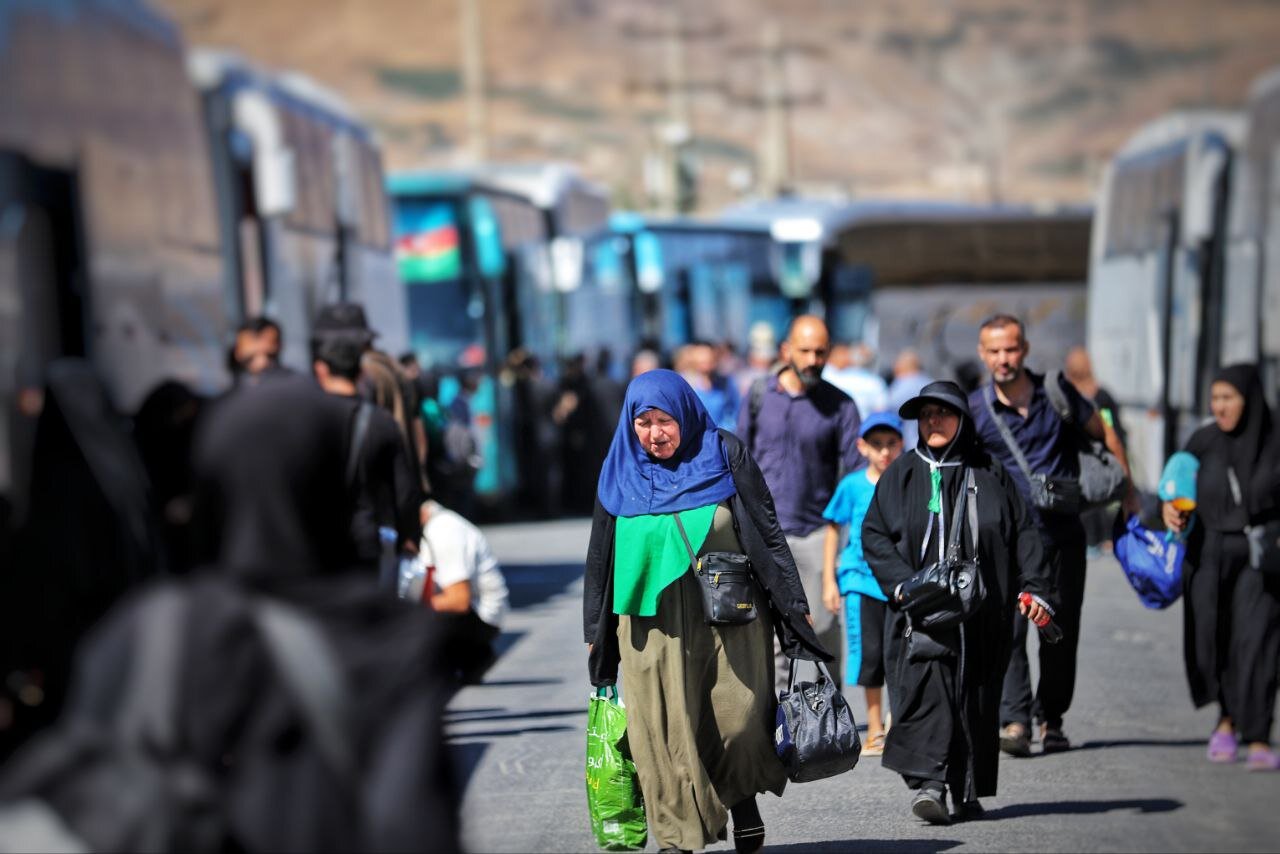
842 490
346 494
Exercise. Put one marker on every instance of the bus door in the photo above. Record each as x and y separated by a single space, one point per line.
41 310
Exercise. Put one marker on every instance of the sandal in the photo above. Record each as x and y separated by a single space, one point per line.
1262 759
1222 747
874 745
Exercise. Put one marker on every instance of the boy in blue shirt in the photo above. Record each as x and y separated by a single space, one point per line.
850 584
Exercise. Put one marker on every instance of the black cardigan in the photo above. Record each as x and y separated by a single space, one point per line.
756 523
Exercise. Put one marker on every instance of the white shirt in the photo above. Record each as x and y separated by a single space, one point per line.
867 389
460 552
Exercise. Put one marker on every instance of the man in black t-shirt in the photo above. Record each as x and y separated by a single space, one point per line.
388 497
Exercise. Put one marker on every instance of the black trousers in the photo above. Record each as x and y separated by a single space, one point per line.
1052 698
1232 635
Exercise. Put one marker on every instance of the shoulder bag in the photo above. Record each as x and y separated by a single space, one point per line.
728 588
951 590
1051 494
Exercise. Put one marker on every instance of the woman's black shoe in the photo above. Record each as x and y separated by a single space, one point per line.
671 849
748 827
930 805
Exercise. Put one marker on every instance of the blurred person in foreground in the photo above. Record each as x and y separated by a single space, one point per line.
700 703
803 432
1232 609
945 691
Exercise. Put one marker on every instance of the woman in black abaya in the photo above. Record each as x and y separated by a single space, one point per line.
946 699
1231 611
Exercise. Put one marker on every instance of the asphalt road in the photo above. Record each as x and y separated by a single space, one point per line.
1136 779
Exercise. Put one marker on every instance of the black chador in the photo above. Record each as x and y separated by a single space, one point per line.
946 710
1232 611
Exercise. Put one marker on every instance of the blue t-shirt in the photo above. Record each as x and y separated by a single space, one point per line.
848 506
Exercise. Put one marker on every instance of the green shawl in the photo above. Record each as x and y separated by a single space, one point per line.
648 554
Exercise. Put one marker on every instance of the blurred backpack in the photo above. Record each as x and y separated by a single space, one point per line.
209 716
1101 478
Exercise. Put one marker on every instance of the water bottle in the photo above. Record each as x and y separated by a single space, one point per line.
1050 632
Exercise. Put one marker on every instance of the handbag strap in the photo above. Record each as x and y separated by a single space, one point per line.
822 668
693 559
950 546
1005 433
971 489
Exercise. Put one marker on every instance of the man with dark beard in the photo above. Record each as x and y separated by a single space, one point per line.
803 432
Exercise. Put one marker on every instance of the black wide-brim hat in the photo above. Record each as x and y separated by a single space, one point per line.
343 319
942 391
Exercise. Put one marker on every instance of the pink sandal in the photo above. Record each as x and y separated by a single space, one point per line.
1263 759
1223 747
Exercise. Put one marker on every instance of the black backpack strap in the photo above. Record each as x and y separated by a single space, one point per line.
1058 398
358 431
149 707
988 393
305 661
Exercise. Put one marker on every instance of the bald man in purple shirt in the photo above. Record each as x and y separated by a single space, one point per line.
803 432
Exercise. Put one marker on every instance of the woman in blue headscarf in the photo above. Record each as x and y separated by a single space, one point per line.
700 704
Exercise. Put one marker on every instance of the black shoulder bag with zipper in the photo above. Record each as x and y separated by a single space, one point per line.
950 590
728 589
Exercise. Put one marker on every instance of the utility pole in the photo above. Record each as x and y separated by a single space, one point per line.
473 80
671 172
775 160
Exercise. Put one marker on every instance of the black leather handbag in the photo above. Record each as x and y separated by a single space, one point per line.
950 591
726 582
815 736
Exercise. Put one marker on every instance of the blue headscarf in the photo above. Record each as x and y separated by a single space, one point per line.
634 484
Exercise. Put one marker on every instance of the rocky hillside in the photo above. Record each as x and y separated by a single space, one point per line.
971 99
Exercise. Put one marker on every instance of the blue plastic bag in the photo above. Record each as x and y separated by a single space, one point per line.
1152 563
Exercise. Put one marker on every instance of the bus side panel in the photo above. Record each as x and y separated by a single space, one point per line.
941 322
1240 321
1185 315
1124 343
304 276
378 288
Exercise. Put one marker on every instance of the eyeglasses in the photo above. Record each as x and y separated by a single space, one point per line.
928 413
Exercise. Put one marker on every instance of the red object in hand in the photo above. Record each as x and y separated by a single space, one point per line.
1050 632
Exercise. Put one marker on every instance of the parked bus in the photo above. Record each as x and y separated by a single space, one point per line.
1251 300
476 264
923 275
301 200
1156 279
140 221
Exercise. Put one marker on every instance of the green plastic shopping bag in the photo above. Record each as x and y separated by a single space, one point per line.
613 791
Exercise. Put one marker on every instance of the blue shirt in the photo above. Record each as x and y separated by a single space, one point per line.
1048 444
849 507
803 444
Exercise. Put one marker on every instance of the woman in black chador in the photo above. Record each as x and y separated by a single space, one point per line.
945 692
1231 610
